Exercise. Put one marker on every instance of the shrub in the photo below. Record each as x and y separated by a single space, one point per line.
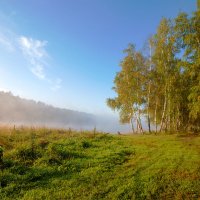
5 179
86 144
43 143
7 163
27 153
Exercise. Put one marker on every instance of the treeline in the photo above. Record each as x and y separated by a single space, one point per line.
163 85
18 111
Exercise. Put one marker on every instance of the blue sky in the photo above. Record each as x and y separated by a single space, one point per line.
67 52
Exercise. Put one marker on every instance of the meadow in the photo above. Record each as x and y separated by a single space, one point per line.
64 164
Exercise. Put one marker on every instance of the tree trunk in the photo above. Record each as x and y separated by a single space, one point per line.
132 125
139 124
164 110
177 120
169 107
155 116
149 89
148 112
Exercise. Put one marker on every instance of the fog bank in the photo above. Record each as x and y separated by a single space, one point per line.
17 111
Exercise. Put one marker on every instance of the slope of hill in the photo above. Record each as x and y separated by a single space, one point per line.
15 110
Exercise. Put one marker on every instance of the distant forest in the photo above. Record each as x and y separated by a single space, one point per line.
162 82
18 111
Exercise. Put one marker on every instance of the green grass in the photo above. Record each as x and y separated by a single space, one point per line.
58 164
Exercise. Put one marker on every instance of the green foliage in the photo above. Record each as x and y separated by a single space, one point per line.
129 87
198 4
1 150
165 84
27 153
81 166
86 144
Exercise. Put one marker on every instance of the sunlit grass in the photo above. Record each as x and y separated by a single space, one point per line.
64 164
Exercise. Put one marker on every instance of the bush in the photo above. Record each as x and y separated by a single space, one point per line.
7 163
5 179
86 144
27 153
43 143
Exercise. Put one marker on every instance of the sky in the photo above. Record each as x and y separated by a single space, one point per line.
66 52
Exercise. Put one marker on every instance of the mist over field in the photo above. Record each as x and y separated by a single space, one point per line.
18 111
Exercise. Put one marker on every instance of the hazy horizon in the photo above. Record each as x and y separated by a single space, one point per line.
16 111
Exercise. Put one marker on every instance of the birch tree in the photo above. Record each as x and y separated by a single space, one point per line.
129 90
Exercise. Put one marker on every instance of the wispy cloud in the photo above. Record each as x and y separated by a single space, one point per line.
33 48
6 42
35 52
56 84
38 71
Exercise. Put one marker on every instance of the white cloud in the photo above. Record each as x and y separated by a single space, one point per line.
6 42
57 84
38 71
33 48
35 52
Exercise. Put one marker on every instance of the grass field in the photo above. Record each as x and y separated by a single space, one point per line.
58 164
